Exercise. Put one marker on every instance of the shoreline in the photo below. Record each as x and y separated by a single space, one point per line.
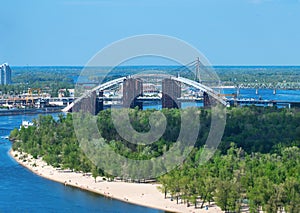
30 111
142 194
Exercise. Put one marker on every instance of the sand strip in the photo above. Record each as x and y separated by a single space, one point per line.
136 193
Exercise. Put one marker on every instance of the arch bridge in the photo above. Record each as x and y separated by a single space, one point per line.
132 91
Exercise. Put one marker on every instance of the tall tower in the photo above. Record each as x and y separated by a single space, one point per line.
171 91
1 75
132 89
5 74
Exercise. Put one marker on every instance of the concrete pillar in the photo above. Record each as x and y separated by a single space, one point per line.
171 91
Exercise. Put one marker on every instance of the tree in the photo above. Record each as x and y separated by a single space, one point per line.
95 173
291 189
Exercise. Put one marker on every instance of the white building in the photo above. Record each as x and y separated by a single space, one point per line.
5 74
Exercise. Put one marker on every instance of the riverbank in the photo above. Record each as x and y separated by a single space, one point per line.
29 111
139 194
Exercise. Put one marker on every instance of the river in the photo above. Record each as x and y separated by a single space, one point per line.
260 94
266 94
23 191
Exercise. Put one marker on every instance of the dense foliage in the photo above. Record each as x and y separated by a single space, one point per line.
260 76
239 180
257 165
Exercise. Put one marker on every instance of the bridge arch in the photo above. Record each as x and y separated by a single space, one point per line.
203 88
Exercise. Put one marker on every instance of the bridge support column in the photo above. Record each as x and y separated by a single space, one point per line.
171 91
132 89
206 101
88 104
99 102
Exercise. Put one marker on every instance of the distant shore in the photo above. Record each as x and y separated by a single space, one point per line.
136 193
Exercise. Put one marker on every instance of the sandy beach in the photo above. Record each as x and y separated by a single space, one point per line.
137 193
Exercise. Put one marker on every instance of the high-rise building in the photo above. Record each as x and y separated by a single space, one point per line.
5 74
171 91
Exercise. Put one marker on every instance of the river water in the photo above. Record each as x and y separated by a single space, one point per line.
260 94
266 94
23 191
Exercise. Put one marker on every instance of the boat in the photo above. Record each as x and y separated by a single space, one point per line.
5 137
26 124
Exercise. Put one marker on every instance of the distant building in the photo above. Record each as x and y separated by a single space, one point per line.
66 93
5 74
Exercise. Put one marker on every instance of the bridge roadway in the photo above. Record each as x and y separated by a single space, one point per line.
264 102
69 100
153 98
189 82
229 101
35 99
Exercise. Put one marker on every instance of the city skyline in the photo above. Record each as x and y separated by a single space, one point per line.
70 32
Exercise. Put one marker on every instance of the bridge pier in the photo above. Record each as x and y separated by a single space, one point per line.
99 102
90 104
206 100
132 89
171 91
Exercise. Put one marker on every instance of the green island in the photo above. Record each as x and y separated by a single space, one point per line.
256 166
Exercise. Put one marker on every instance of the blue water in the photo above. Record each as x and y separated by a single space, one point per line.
184 105
263 94
23 191
266 94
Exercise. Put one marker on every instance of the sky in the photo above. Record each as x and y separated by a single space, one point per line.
227 32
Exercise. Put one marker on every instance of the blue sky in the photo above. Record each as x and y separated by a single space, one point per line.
227 32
